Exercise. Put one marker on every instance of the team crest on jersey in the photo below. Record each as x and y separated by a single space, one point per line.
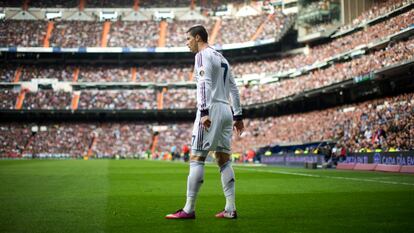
201 71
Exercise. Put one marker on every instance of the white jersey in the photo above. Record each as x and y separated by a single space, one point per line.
215 82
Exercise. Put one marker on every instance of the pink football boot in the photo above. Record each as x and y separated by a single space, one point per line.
180 214
225 214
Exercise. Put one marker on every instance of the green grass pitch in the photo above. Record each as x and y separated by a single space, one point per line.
134 196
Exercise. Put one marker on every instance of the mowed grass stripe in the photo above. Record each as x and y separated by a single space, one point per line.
53 196
134 196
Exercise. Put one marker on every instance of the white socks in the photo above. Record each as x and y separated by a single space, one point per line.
227 180
194 182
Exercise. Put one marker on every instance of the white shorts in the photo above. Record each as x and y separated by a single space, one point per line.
218 136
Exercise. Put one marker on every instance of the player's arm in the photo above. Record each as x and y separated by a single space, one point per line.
205 82
237 110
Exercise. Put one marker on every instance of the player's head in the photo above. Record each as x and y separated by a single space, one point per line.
196 35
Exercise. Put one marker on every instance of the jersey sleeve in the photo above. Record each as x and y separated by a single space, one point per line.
235 97
205 82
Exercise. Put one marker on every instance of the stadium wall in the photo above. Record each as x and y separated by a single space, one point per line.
385 158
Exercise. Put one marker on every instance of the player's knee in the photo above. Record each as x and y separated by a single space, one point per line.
197 158
222 158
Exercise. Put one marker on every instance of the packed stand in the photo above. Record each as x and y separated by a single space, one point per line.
396 52
176 34
164 74
387 124
23 33
104 74
13 138
176 135
76 139
393 54
29 33
8 98
118 99
179 99
126 139
134 34
371 34
74 34
380 7
108 73
321 52
47 99
277 26
60 72
7 73
73 140
240 29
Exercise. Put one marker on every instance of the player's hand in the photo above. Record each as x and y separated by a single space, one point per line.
205 120
239 126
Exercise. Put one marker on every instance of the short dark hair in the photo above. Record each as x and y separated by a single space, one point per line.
199 30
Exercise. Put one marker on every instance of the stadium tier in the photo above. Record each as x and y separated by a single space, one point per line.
386 124
348 58
379 8
394 53
114 4
73 34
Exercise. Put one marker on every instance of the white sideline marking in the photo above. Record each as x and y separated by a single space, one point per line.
330 177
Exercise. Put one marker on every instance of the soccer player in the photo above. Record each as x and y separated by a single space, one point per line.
214 122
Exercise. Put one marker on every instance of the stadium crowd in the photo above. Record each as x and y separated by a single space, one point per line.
74 34
47 99
114 4
7 73
379 7
104 74
118 99
179 98
383 124
394 53
71 34
22 33
322 52
151 74
176 30
8 98
59 72
124 34
164 74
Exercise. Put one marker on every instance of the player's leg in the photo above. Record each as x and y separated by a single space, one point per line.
228 184
195 179
196 174
222 155
203 141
